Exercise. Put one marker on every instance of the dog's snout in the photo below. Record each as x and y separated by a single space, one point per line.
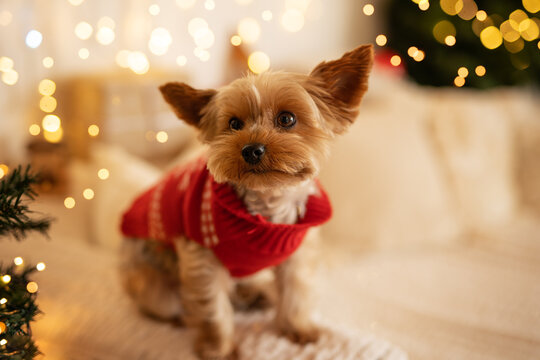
253 153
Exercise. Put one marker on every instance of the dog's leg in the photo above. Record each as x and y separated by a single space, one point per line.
149 273
293 313
204 285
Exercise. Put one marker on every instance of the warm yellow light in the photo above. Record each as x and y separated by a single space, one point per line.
420 55
508 32
48 62
491 37
209 5
412 51
40 266
204 39
10 77
236 40
54 137
368 9
532 6
3 301
480 70
481 15
32 287
452 7
84 53
106 22
267 15
538 45
442 30
3 170
47 104
47 87
93 130
423 5
83 30
249 30
122 58
395 60
514 47
6 279
3 342
51 123
196 26
76 2
450 40
3 327
103 174
468 10
34 129
69 202
181 60
162 137
138 62
292 20
88 194
463 72
160 40
459 81
105 35
258 62
6 63
529 30
381 40
154 9
18 261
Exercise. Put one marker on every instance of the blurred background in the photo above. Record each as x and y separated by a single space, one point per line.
435 242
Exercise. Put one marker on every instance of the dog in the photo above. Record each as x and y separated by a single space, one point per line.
252 202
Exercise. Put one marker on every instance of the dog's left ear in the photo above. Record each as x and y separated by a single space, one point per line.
339 85
186 101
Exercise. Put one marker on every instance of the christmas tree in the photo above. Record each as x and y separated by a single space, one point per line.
477 43
17 293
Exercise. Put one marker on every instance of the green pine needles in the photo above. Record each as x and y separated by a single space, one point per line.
15 188
17 310
17 292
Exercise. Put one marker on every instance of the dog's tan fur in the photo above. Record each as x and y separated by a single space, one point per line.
197 287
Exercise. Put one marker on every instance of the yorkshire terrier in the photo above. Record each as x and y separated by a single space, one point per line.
250 203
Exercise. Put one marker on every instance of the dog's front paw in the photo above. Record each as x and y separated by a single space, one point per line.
302 336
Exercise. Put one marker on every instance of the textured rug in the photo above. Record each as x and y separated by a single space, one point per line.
87 316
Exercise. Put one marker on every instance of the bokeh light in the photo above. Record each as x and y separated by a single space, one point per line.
47 104
236 40
34 129
84 53
83 30
34 39
10 77
491 37
154 9
69 202
292 20
368 9
103 174
93 130
48 62
105 35
381 40
51 123
395 60
162 137
47 87
480 70
55 136
258 62
249 30
88 194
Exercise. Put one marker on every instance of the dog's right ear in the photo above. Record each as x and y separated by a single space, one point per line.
186 101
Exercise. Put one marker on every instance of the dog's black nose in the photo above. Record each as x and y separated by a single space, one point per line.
253 153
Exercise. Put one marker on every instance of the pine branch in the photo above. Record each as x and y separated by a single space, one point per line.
14 213
17 310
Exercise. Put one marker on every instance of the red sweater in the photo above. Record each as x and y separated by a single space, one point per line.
189 202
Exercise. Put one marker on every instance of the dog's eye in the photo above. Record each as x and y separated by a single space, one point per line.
235 124
286 119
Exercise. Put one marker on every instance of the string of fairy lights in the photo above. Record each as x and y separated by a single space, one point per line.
511 33
5 279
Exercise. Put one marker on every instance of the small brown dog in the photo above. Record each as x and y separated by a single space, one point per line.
247 204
